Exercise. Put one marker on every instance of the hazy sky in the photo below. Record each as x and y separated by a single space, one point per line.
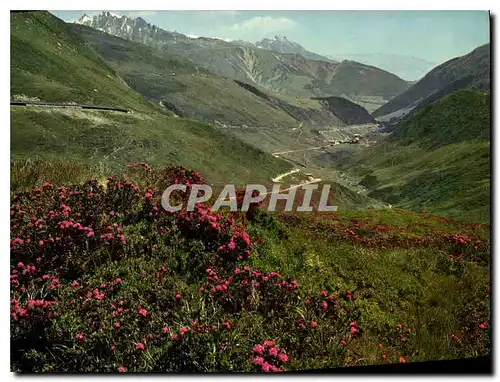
435 36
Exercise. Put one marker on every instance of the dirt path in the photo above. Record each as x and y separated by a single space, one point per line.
281 176
299 185
296 151
289 188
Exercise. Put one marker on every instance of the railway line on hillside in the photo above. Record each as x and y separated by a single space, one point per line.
71 105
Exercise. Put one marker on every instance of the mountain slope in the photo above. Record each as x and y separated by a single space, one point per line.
191 91
290 74
113 141
316 114
282 45
438 158
457 117
53 64
347 111
354 78
471 71
49 61
181 86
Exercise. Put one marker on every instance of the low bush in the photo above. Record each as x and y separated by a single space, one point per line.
104 280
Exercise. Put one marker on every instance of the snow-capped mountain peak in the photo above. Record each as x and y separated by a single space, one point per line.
84 19
115 15
282 44
137 29
122 26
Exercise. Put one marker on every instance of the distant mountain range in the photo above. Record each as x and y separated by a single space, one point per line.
287 72
407 67
191 91
471 71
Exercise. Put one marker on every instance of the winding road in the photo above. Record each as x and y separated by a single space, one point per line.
289 188
297 151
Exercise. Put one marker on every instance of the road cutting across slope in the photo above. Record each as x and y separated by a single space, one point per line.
317 180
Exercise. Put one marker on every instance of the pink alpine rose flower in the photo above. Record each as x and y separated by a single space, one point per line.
265 367
258 361
283 357
259 349
273 352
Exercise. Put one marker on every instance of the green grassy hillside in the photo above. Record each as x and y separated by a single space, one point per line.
114 139
51 63
460 116
471 71
437 159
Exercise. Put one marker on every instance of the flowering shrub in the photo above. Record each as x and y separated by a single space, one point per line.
269 358
383 236
248 288
103 279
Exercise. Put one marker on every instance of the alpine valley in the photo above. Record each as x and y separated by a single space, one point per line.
109 110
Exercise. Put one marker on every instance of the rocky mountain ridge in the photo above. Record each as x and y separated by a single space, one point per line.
282 44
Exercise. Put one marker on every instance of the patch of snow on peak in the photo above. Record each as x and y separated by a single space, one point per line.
223 39
115 15
192 36
85 19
